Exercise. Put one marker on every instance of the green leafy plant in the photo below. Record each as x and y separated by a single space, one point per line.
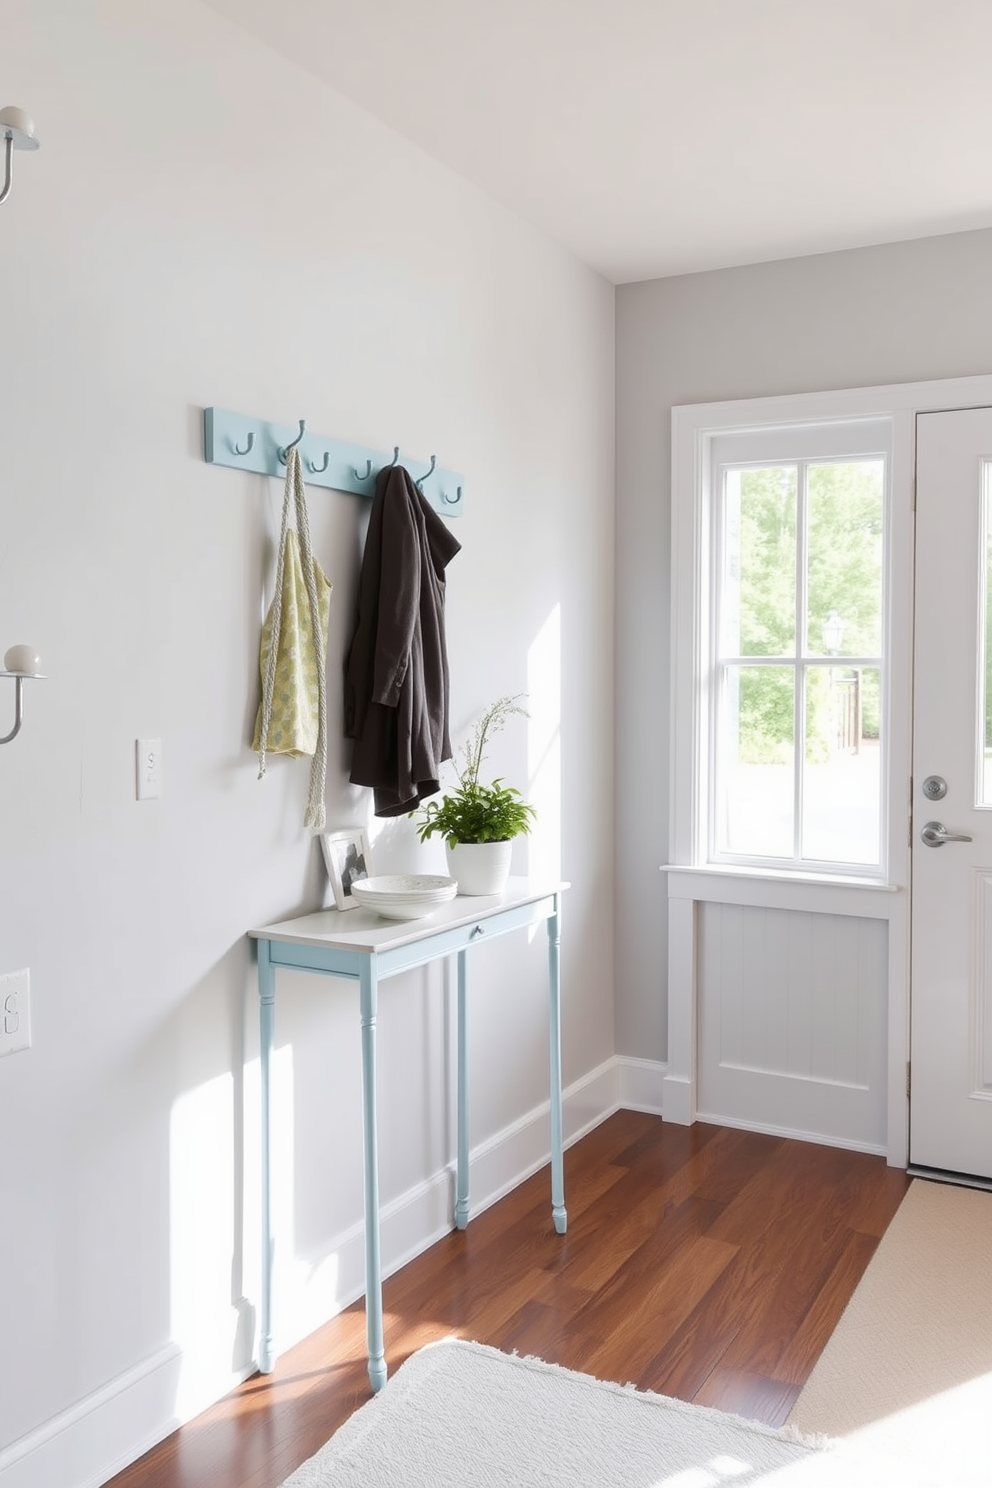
474 812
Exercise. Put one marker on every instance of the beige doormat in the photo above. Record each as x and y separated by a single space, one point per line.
910 1362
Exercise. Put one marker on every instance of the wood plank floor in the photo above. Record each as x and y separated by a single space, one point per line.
701 1262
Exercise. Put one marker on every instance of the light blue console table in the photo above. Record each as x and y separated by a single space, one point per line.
363 947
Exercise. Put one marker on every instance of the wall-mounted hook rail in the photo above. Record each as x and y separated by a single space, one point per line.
244 443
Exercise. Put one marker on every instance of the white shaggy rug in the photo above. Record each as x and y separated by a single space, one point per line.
462 1415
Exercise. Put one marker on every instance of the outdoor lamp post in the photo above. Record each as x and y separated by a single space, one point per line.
833 633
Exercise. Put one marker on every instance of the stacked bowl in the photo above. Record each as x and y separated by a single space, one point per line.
404 896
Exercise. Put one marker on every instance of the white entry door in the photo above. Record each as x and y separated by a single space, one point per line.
951 1011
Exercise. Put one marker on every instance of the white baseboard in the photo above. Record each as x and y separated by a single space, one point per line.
642 1084
84 1446
678 1100
820 1139
100 1435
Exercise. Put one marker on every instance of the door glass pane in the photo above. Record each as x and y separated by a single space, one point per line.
757 791
758 592
985 774
841 790
844 546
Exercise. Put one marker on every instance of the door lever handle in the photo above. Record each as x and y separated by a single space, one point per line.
935 834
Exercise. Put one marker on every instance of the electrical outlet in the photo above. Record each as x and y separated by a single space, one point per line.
148 768
15 1012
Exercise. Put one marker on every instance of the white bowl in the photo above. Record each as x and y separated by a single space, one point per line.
404 896
400 886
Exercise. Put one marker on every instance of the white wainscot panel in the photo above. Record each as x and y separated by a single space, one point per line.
981 991
792 1022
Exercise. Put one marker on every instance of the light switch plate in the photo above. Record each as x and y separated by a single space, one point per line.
148 768
15 1012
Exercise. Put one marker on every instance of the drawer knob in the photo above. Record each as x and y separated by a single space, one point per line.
477 931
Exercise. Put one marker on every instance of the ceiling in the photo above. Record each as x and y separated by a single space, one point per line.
657 137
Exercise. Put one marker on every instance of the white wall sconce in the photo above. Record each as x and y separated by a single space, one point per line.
20 662
17 132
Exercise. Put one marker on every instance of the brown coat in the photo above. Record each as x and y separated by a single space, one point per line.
396 669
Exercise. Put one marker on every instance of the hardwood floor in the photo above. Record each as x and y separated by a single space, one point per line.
701 1262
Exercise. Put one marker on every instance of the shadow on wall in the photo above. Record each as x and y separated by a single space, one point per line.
544 747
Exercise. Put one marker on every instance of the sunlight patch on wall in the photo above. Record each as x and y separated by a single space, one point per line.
305 1290
201 1213
544 748
215 1231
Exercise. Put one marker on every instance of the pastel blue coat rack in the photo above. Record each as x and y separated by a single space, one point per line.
246 443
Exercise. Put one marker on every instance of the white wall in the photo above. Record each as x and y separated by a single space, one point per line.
206 224
897 313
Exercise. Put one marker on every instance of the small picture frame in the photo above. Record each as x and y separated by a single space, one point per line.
347 857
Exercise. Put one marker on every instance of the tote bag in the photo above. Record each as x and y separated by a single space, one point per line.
292 715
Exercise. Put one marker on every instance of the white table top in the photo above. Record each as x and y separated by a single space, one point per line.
361 929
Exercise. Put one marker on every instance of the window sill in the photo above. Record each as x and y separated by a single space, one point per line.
782 875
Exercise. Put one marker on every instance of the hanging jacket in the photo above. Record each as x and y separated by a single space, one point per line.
396 669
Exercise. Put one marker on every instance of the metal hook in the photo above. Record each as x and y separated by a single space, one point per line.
293 442
420 483
319 469
9 173
17 131
368 471
451 500
19 679
18 711
247 449
396 455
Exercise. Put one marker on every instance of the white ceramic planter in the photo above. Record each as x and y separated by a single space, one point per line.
480 867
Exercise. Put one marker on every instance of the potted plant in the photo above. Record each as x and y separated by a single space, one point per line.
478 822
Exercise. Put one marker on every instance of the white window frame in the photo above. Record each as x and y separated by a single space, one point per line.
799 444
795 424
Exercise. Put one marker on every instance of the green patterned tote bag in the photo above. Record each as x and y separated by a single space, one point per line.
292 716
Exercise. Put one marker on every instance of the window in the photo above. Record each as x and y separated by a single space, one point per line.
796 666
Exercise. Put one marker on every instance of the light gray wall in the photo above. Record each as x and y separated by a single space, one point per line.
205 223
895 313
